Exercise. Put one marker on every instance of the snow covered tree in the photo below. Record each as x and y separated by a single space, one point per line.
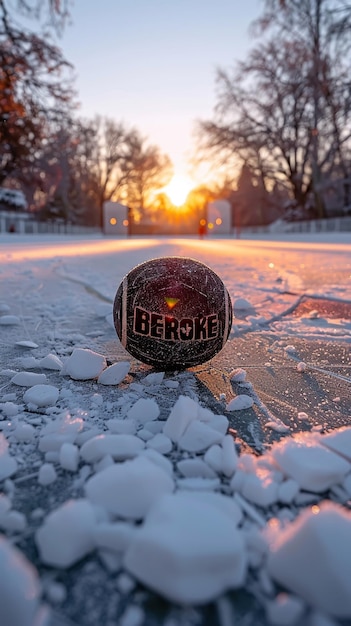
286 110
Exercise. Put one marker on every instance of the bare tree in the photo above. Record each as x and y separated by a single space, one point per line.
148 170
286 110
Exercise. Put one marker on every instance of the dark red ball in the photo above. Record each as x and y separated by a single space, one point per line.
172 313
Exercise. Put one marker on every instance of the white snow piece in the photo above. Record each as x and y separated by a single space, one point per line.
84 364
238 375
28 379
120 447
314 467
114 535
114 374
183 412
288 490
339 441
41 395
195 468
144 410
214 458
9 320
24 432
155 378
69 457
260 488
241 304
122 426
198 484
68 534
159 459
312 558
129 489
161 443
198 437
51 362
8 464
285 610
188 550
20 588
47 474
4 308
10 409
220 423
229 456
24 343
239 403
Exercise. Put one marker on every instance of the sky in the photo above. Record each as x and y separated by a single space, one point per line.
152 63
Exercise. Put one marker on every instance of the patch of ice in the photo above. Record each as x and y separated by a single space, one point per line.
120 447
26 344
28 379
143 410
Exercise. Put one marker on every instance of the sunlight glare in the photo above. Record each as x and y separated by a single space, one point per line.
178 189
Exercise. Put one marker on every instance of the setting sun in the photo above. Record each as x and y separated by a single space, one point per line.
178 189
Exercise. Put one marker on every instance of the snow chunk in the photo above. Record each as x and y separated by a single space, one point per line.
239 403
198 437
238 375
129 489
120 447
339 441
51 362
144 410
26 344
183 412
312 558
260 488
9 320
19 589
314 467
84 364
285 610
28 379
47 474
160 443
114 374
41 395
8 464
195 468
184 559
115 536
69 457
68 534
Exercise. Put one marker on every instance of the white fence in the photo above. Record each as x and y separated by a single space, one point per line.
16 222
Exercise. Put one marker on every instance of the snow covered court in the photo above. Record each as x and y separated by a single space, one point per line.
218 495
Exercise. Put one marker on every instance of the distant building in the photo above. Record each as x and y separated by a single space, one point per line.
219 220
115 219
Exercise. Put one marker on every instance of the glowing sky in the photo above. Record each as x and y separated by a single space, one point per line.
151 63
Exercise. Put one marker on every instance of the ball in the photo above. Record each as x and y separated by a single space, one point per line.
172 313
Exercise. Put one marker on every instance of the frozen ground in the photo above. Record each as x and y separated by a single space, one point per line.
218 495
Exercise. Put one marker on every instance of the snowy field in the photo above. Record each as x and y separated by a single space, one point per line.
127 497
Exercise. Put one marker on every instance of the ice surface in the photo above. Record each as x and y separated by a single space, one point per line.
164 483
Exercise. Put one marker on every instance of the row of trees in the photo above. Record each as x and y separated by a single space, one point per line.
67 166
283 119
285 112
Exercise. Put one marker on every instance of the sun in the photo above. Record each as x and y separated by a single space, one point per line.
178 189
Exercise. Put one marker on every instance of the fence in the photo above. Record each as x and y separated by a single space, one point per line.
16 222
